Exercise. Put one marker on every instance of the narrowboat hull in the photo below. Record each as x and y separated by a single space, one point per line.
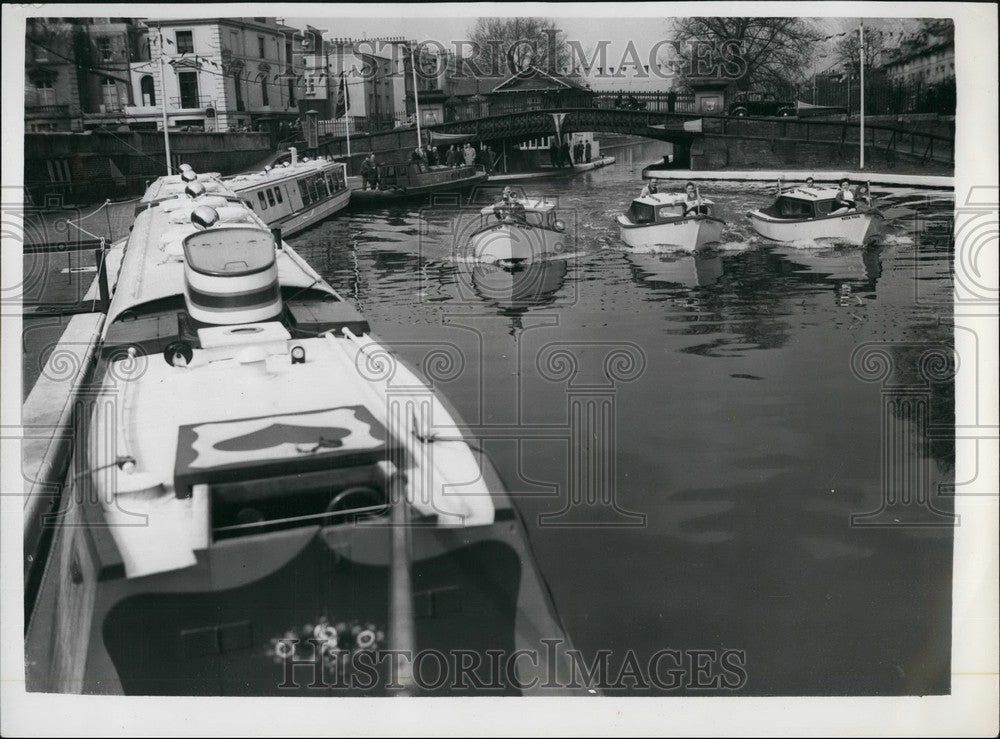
686 234
437 184
310 216
851 228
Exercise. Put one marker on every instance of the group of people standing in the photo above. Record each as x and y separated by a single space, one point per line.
559 154
454 156
425 157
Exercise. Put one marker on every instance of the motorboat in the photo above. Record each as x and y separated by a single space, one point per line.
518 229
261 494
814 213
292 193
662 220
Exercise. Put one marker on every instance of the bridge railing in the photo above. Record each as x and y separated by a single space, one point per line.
927 146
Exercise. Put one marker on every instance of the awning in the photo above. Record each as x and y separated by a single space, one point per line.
452 138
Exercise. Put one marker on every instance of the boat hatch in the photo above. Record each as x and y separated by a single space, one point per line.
268 470
231 276
314 317
251 333
229 252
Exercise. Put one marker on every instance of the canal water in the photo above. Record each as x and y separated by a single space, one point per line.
709 450
722 452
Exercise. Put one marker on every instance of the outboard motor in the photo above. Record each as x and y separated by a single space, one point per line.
230 273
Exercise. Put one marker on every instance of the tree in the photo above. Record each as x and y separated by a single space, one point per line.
848 50
504 46
759 53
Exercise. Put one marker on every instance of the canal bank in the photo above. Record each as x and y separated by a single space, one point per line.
788 175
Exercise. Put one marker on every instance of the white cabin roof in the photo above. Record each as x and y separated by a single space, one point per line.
667 198
811 193
536 205
282 172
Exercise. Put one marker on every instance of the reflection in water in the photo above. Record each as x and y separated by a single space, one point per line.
513 290
749 441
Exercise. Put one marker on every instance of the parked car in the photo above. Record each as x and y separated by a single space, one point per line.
760 104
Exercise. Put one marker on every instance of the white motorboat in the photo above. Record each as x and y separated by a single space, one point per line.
659 220
519 230
293 194
248 458
813 214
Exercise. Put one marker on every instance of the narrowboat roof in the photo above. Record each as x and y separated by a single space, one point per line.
156 268
282 172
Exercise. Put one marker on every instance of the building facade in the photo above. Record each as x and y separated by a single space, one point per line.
218 74
77 72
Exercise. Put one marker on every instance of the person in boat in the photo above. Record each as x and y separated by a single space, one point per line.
554 153
469 155
810 183
650 188
566 155
693 204
844 197
864 196
487 159
369 173
587 151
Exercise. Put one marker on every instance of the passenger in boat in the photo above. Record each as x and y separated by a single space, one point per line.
587 151
469 155
566 155
810 183
487 159
844 197
693 204
864 197
554 153
650 188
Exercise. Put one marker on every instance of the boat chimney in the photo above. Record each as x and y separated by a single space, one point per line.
295 155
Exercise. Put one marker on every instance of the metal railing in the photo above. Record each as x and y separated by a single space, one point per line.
192 102
46 111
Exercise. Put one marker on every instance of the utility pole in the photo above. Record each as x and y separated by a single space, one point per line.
163 103
416 97
861 38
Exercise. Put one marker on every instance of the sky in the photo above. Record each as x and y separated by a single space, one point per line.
644 33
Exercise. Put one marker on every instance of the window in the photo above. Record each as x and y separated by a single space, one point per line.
58 170
291 92
277 194
288 54
261 20
264 98
44 92
641 213
270 197
260 47
104 48
109 94
147 90
188 84
238 83
185 42
260 199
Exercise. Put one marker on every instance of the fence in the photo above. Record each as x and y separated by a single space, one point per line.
882 96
